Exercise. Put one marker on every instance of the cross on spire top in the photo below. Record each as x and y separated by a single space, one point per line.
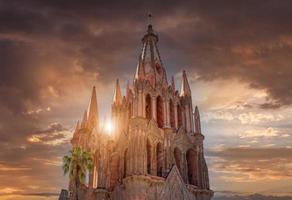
149 18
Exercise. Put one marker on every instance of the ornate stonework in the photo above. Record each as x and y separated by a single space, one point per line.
156 148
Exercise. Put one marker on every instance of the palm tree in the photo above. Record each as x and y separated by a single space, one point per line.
77 164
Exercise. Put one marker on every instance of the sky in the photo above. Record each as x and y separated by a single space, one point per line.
237 55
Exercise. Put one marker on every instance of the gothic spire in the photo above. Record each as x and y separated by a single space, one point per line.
92 110
172 83
185 87
117 95
150 66
197 120
128 90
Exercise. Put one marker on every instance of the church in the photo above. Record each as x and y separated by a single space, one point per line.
155 148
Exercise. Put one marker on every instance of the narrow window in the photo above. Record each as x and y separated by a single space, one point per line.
159 157
148 108
148 148
171 114
159 107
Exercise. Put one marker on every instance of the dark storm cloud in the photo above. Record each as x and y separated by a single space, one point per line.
244 39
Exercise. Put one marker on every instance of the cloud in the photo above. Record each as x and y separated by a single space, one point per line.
268 132
234 113
255 118
56 134
252 164
9 190
7 168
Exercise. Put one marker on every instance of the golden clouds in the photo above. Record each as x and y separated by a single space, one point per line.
10 168
252 164
256 118
54 135
268 132
9 190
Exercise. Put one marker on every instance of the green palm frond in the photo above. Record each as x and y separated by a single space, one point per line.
77 163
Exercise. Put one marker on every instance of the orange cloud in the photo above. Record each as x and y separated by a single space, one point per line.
252 164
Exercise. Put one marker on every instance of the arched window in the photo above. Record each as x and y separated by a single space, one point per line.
177 156
171 114
159 107
159 157
115 161
125 162
179 116
191 158
148 149
148 107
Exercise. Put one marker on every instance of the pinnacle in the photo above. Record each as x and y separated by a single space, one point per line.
185 87
118 95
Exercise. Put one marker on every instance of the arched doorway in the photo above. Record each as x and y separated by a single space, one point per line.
171 114
159 112
159 157
148 107
177 157
191 158
125 162
148 149
179 116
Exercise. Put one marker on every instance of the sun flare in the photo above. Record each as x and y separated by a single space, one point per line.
109 127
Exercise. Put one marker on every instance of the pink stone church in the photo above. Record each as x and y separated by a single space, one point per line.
155 150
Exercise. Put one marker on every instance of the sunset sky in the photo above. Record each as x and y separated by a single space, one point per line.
238 58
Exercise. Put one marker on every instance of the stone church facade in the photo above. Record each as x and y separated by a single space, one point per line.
155 150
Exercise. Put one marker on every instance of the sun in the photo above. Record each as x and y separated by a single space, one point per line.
109 127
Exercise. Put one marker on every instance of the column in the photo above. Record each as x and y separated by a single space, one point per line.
187 115
167 112
175 115
192 117
154 115
140 103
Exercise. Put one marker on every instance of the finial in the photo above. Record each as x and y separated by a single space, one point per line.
150 29
149 18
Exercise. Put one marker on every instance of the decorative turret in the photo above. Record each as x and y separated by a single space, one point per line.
185 87
117 95
172 84
197 121
92 118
